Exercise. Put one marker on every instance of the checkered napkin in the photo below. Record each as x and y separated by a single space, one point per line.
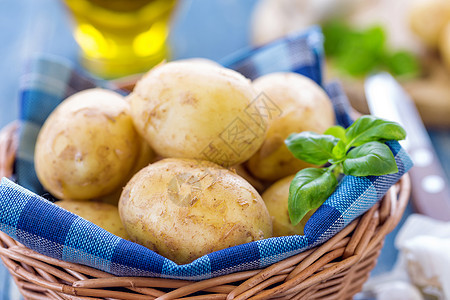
53 231
299 52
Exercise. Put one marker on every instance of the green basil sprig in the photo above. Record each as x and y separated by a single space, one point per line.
358 150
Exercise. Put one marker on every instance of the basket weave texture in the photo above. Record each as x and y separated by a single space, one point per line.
335 270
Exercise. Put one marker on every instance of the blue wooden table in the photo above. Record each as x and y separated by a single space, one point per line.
201 28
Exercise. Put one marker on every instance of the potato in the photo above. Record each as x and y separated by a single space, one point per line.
427 19
103 215
146 156
304 106
185 208
242 171
444 44
88 146
197 110
276 199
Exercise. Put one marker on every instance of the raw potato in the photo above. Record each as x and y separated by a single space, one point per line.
103 215
444 44
276 199
146 156
185 208
428 18
242 171
88 146
197 110
303 106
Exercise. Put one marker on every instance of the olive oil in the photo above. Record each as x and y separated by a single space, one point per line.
121 37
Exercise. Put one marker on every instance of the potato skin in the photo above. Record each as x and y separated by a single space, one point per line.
276 199
444 45
193 110
428 18
146 156
185 208
103 215
304 106
87 146
242 171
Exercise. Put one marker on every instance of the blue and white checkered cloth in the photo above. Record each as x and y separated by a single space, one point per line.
299 52
48 229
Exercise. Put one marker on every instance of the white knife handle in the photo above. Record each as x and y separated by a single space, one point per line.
431 195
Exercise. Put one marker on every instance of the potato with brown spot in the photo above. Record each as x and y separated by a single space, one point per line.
303 106
88 146
185 208
197 110
276 199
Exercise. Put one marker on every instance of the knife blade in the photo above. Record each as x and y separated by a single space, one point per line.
430 191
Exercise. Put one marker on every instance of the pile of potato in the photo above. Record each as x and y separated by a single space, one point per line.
430 21
179 164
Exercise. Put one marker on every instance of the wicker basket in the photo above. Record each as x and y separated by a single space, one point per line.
334 270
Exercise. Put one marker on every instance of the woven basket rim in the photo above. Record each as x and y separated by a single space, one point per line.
336 269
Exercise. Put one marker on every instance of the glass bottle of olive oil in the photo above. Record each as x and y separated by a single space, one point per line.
121 37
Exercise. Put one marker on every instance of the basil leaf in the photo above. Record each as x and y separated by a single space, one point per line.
403 63
373 158
308 190
311 147
336 131
339 150
370 128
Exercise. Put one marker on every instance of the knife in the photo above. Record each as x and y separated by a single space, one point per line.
430 191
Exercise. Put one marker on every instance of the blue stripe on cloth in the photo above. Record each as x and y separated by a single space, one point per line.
199 269
43 222
395 147
48 73
34 101
24 163
29 132
241 257
135 260
351 189
324 217
263 61
43 87
26 176
340 102
14 198
89 244
275 249
300 52
355 190
305 61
